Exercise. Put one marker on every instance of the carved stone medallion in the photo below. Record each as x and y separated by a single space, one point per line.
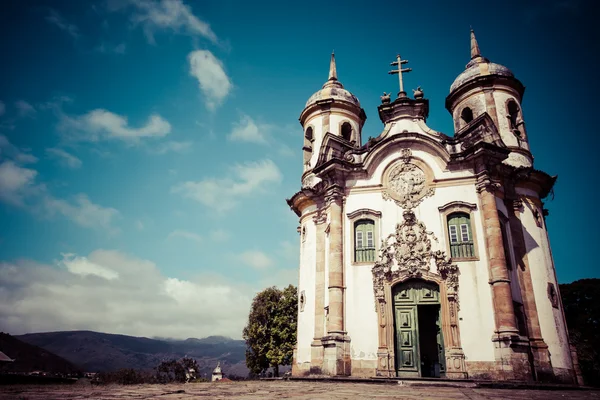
407 185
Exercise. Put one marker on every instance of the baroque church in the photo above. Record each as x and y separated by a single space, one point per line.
423 254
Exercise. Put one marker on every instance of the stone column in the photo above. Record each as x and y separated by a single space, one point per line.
316 362
335 320
336 356
499 278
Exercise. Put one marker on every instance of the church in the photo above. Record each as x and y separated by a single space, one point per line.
423 254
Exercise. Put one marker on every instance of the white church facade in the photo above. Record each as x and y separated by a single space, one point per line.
422 254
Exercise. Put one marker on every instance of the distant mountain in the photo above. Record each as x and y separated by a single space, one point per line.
29 358
96 351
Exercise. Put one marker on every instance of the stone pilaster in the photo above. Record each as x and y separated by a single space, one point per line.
499 278
336 357
335 320
511 350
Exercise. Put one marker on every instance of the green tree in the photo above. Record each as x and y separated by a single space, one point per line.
581 301
271 330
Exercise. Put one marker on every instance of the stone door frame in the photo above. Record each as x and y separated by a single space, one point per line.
455 358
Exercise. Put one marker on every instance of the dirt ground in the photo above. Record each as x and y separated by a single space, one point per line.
279 390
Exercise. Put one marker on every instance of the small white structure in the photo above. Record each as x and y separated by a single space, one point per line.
217 375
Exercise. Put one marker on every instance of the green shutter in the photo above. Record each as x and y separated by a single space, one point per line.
461 238
364 242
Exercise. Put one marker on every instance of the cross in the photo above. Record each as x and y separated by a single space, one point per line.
399 61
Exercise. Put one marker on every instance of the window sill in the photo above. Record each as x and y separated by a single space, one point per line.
360 263
460 259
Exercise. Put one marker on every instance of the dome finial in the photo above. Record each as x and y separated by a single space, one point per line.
332 69
475 52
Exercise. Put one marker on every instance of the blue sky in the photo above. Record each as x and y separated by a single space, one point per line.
147 146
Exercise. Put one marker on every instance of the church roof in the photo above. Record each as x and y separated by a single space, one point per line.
478 66
333 89
217 370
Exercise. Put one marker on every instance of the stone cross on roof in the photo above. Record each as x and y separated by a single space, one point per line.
399 61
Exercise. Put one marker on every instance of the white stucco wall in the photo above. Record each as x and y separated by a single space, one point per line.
551 319
306 283
509 138
476 317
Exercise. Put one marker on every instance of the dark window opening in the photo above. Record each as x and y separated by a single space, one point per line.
467 115
514 117
347 131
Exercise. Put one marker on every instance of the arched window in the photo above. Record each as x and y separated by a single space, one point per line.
467 115
460 236
514 117
308 135
364 240
307 148
347 131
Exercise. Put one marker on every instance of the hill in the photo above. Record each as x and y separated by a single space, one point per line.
98 352
29 357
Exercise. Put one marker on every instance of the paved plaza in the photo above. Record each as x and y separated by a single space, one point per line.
280 390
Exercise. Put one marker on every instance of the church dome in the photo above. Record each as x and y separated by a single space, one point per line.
335 93
478 66
477 69
333 89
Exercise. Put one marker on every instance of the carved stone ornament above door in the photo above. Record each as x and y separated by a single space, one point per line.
408 252
406 183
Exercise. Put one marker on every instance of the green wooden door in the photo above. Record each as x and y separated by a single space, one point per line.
408 296
406 339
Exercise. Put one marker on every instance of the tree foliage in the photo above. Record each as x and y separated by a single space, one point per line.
581 301
271 330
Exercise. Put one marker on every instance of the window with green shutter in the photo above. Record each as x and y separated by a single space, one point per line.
460 235
364 241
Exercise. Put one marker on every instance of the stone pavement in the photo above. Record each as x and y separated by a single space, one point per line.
279 390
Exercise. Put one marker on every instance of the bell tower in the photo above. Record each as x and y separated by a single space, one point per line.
334 110
487 87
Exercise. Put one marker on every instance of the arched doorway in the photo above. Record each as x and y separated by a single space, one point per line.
418 337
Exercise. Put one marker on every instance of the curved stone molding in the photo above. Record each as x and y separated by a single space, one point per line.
457 206
364 213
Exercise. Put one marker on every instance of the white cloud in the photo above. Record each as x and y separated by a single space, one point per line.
15 182
107 290
222 194
83 212
82 266
64 158
56 19
246 130
219 235
25 109
171 15
8 150
214 82
102 124
172 146
256 259
186 235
